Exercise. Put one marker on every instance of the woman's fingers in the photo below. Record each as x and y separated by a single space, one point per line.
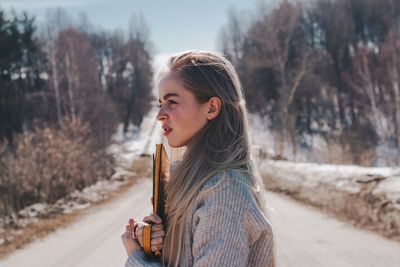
132 221
157 231
155 248
152 218
155 234
131 225
157 227
129 228
157 241
128 241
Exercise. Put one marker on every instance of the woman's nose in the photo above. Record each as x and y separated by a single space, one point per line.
161 114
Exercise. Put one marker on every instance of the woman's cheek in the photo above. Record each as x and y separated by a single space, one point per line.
174 114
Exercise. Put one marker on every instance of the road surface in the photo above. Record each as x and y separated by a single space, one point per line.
304 237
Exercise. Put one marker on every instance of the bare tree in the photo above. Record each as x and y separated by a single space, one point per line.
138 29
334 20
391 62
54 72
81 92
231 37
138 76
363 81
56 20
278 43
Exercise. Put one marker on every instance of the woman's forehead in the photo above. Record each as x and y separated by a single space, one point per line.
171 84
169 76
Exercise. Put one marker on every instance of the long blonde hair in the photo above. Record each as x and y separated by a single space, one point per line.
222 144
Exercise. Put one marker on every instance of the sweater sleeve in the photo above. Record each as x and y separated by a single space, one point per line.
139 259
220 237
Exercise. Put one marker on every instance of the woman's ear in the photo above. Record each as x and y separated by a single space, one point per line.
214 107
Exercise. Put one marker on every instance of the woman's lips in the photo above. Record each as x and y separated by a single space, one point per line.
167 130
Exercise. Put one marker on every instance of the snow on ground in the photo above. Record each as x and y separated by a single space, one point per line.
348 178
317 171
135 142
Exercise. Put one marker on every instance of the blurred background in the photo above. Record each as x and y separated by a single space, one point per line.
321 80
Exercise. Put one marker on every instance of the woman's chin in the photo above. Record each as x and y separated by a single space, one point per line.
175 144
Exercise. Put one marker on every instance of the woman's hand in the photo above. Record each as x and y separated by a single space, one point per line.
157 232
128 238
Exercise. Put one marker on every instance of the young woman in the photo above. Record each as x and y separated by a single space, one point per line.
215 209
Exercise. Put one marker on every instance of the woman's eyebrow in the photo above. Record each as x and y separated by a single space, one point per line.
165 97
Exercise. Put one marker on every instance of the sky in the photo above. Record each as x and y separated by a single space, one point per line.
175 25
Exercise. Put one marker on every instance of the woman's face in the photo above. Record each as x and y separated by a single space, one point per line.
180 113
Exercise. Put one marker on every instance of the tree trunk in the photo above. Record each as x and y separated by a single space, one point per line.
339 90
55 78
70 86
396 116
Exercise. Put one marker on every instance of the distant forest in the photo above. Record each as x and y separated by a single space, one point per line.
68 70
64 88
323 68
313 69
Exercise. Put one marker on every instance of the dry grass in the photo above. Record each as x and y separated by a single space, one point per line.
47 164
140 167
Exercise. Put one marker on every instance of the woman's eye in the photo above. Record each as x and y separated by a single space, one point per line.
169 103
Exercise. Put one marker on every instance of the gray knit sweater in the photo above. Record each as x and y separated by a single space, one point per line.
227 228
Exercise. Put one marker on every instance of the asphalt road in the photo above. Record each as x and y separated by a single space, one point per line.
307 237
304 237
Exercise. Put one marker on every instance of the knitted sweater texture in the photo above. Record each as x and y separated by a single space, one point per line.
226 228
